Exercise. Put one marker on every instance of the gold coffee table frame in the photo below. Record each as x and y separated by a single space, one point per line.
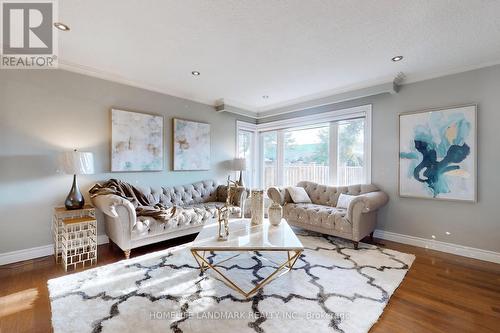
293 255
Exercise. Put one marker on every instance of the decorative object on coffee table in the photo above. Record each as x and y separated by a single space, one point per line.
257 206
136 141
76 163
223 213
191 145
75 237
240 164
223 221
275 213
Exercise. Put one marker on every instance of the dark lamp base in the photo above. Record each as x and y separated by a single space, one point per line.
75 199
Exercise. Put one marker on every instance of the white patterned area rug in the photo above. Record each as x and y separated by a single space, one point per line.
332 288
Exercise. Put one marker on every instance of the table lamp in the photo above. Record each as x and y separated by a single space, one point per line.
76 163
240 164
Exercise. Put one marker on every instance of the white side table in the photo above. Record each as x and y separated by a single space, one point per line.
75 237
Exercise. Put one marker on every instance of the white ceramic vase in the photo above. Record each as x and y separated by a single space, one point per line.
275 213
257 206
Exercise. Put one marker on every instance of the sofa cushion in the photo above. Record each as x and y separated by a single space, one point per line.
317 215
186 217
211 208
328 195
298 194
142 226
344 200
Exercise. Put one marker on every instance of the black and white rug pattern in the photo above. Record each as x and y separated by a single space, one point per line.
332 288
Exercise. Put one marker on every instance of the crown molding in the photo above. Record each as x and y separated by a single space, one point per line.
385 88
364 89
326 94
222 106
413 78
92 72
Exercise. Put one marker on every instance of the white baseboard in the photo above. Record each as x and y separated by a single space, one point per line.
37 252
465 251
460 250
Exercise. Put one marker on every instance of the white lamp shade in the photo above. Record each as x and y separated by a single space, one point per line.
240 164
77 163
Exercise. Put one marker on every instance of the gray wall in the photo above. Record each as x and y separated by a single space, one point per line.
45 112
476 225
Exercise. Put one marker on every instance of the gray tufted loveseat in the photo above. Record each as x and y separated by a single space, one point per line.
356 222
196 204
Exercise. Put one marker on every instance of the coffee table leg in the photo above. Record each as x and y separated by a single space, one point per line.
290 262
200 263
209 265
204 265
297 255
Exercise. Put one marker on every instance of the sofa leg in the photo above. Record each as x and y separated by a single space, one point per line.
355 245
127 253
371 236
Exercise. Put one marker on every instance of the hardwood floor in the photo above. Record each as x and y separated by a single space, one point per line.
441 292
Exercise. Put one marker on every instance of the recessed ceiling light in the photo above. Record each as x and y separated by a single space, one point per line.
61 26
265 97
397 58
195 73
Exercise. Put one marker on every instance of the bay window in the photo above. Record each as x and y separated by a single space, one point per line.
246 148
331 148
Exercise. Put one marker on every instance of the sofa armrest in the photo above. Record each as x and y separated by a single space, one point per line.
366 203
108 205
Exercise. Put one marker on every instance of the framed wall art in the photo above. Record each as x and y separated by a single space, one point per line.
136 141
438 153
191 145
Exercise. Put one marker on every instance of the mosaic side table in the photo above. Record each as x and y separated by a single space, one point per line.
75 237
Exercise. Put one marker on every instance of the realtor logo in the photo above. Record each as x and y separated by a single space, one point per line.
28 37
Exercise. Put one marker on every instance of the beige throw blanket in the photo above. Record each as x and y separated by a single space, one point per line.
142 203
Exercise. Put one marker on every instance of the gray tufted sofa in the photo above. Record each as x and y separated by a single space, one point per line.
196 204
356 222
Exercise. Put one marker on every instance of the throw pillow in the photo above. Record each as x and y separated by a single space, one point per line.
344 200
298 194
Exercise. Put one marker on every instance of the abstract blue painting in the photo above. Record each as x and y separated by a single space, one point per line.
437 154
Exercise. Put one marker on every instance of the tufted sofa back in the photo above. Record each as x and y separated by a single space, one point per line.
328 195
204 191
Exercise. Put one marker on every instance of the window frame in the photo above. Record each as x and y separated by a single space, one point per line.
332 117
252 165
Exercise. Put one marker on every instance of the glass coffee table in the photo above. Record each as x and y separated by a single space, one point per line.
245 237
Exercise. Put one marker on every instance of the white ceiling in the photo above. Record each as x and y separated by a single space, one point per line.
291 50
